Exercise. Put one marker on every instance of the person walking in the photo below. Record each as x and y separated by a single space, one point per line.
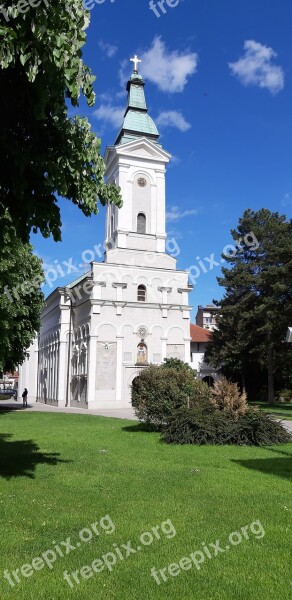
24 398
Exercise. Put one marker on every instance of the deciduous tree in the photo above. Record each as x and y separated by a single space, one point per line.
44 153
21 299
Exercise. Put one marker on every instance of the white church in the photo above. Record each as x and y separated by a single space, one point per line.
133 308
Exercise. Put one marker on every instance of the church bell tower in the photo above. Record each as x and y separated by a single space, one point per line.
136 163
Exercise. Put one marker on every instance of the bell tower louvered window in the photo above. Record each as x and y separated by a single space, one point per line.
141 223
141 296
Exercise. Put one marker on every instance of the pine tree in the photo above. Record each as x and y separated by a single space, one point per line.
257 306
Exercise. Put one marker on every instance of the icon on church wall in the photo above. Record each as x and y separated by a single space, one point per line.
107 349
142 182
142 354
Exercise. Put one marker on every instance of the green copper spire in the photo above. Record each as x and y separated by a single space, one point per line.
137 123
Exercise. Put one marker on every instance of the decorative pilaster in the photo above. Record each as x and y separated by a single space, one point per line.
62 372
91 369
163 348
119 376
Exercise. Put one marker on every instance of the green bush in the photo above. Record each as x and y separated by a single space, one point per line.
202 424
159 390
284 396
179 365
257 428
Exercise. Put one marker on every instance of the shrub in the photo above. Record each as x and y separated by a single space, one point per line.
159 390
226 396
257 428
284 396
197 425
203 424
176 363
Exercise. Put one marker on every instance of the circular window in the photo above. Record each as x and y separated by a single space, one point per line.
142 332
142 182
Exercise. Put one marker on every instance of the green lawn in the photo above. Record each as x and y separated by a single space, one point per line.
279 410
61 473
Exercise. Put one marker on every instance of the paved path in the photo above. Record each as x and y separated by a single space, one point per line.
118 413
287 425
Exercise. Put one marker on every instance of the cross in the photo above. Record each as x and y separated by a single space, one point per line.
136 61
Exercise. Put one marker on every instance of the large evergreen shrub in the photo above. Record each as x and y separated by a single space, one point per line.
170 398
205 425
159 390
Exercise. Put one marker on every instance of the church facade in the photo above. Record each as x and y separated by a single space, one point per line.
133 308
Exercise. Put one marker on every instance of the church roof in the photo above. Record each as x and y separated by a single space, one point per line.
84 276
199 334
140 122
137 122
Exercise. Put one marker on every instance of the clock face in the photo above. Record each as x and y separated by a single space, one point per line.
142 182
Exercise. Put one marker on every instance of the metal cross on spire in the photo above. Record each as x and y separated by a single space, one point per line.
136 61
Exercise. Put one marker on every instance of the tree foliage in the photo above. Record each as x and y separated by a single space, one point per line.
20 297
43 152
257 305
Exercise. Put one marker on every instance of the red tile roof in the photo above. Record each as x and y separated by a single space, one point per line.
199 334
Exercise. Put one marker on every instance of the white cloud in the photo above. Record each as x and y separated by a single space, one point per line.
105 97
109 49
256 68
175 214
169 70
173 118
287 200
174 161
124 73
110 115
175 233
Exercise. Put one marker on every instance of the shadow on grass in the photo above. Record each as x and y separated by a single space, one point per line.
280 467
283 452
8 409
138 428
19 458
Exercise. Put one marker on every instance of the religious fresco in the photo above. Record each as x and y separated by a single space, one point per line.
175 351
142 354
106 366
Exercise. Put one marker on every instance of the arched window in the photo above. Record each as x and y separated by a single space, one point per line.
141 296
141 223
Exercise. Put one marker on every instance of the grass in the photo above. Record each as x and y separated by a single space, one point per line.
281 410
62 472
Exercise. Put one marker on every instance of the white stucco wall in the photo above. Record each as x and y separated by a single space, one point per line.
102 315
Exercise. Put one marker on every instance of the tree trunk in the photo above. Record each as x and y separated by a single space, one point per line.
271 392
243 383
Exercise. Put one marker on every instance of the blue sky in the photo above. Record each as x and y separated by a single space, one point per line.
218 84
